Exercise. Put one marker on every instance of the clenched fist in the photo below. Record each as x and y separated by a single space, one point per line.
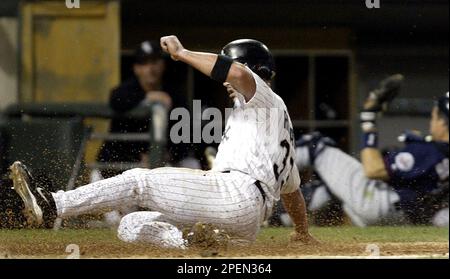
172 46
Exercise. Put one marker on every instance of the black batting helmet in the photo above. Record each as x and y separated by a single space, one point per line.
254 54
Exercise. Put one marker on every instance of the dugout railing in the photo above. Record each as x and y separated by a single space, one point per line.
52 137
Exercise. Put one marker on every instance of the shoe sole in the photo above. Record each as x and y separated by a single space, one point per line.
32 211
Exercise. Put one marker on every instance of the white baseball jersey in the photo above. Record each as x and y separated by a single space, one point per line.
259 141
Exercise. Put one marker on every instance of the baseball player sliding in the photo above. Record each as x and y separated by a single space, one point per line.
408 184
253 168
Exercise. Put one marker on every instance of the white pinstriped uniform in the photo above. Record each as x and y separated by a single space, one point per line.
226 196
259 139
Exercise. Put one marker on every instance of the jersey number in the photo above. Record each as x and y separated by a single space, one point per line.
276 169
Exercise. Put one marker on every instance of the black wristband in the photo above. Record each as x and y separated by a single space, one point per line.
221 68
370 140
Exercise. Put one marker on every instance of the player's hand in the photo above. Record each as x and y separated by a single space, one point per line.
304 238
232 93
172 46
159 96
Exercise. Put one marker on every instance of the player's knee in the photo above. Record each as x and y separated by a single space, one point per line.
141 227
131 225
127 229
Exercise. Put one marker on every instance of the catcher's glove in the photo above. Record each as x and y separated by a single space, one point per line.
387 91
378 101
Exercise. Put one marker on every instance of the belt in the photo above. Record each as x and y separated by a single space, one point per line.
258 185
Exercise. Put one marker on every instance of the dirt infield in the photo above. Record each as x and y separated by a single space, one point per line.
273 243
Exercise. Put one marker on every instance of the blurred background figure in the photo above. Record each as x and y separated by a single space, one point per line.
145 86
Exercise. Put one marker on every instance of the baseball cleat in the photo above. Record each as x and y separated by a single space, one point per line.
22 180
39 206
387 91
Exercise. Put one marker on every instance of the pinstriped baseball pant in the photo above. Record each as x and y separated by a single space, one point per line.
178 198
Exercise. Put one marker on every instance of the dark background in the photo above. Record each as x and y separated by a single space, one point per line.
410 37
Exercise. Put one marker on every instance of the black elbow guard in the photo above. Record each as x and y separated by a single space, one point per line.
221 68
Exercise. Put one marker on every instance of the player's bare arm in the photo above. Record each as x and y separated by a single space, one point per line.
294 203
239 77
374 166
375 104
371 157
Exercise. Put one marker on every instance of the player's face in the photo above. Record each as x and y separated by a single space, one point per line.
438 128
151 72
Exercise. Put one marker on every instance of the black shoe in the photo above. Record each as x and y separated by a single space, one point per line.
316 143
39 206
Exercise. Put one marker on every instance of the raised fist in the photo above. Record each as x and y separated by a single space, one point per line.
172 46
